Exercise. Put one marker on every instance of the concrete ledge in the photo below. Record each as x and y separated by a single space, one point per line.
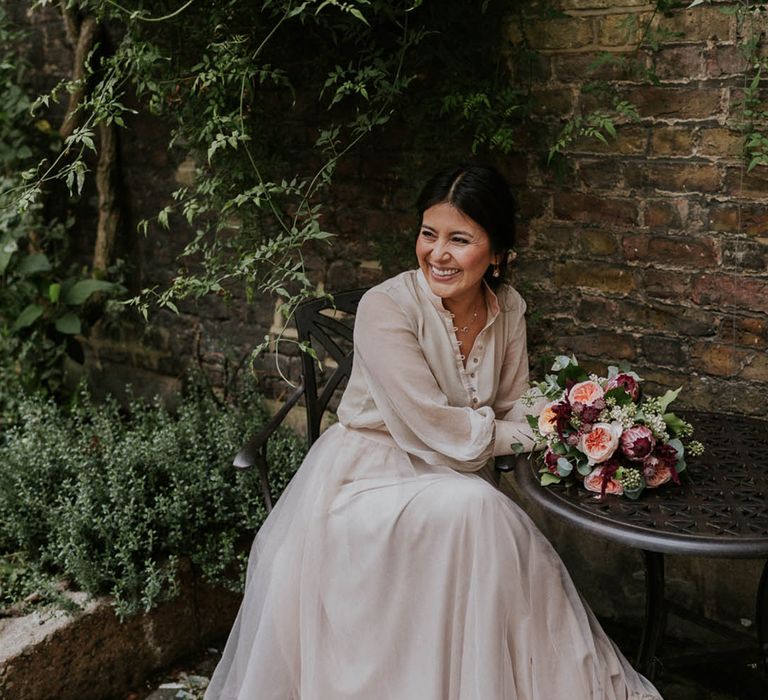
93 656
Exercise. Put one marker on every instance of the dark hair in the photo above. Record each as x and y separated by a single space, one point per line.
481 193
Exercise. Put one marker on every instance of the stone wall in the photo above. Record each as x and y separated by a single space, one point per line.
653 247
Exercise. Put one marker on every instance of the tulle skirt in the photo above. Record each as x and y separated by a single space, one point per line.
380 578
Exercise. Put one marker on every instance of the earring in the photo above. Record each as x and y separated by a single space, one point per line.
496 272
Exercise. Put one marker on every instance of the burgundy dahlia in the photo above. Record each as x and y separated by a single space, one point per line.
637 442
626 382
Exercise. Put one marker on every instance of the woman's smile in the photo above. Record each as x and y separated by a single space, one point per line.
454 253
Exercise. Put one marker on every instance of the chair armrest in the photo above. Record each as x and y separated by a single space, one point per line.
249 453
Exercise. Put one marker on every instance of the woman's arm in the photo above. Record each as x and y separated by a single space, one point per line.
406 393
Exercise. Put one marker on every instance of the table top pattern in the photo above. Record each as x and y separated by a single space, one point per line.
721 509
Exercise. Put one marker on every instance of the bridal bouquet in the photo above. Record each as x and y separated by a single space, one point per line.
604 431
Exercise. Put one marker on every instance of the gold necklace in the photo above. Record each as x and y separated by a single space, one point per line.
465 329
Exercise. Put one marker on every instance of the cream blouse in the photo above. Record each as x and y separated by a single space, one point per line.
408 379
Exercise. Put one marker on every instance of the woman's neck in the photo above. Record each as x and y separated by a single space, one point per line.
465 307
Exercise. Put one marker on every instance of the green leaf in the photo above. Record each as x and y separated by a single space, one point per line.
517 448
533 421
668 398
564 467
54 291
69 324
32 264
548 478
80 291
574 372
28 316
621 397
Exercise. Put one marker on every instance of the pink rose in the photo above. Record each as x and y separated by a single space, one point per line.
595 481
586 393
601 442
637 442
626 382
547 419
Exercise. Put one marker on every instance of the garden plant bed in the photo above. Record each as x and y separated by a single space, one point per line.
92 655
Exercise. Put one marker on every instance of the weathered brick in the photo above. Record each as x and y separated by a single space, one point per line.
743 184
595 310
623 29
554 34
595 276
600 174
554 238
745 255
676 177
575 206
696 24
595 242
749 331
630 140
531 204
670 141
662 350
747 218
725 360
686 252
728 291
557 101
666 319
724 59
574 68
665 214
721 142
679 62
666 102
529 67
614 346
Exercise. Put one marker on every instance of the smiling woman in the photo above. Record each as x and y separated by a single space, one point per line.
392 568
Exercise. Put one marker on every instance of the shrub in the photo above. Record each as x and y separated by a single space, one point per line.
113 501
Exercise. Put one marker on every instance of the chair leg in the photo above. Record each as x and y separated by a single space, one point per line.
762 617
655 613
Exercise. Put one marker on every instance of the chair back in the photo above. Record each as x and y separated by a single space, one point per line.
326 326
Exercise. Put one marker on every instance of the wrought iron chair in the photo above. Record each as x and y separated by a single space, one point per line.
327 328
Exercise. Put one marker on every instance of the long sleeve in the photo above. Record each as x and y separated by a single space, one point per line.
512 427
404 388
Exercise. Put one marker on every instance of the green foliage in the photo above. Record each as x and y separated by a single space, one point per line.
114 501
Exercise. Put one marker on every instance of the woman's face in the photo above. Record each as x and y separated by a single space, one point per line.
453 252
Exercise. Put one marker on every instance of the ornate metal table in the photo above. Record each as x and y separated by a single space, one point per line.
721 510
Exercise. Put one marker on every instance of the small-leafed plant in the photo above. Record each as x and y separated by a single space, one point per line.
114 500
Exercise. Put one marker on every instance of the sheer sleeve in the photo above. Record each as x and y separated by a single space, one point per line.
414 409
512 426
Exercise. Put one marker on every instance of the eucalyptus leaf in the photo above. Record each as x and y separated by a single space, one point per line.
548 478
668 398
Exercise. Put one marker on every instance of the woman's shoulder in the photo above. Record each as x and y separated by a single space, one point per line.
400 291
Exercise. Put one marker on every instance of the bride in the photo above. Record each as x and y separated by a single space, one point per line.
391 567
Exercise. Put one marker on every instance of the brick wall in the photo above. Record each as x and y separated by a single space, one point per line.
654 247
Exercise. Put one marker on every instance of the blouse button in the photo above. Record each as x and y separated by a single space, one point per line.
474 400
475 360
472 375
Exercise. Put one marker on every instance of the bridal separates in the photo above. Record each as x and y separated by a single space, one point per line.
390 568
375 579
